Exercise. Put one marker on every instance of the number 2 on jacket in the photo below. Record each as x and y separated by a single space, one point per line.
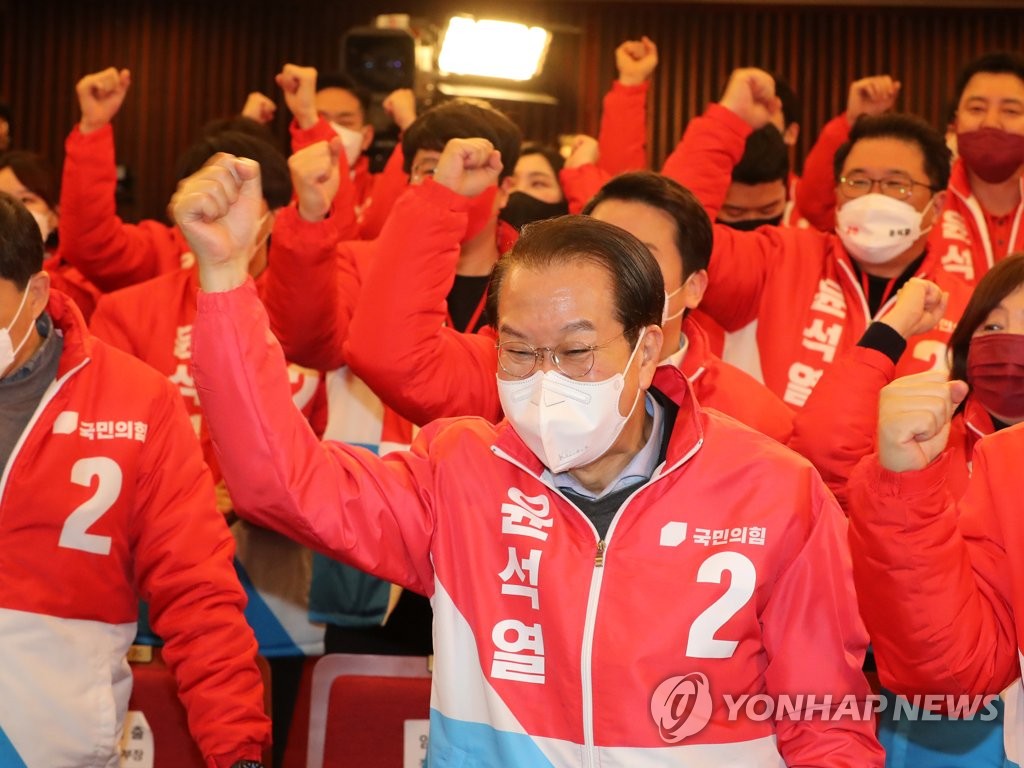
702 643
75 534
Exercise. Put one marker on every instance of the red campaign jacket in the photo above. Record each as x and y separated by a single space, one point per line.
153 322
398 341
531 661
93 238
839 424
727 389
105 500
622 137
941 581
622 141
960 237
374 194
789 298
432 371
71 282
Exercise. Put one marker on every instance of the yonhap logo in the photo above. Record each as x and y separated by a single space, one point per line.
681 706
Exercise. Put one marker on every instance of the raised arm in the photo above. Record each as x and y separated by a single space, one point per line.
93 238
398 342
837 426
934 576
623 132
372 513
816 190
703 162
310 286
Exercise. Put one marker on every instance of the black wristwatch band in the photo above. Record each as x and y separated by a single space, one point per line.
247 764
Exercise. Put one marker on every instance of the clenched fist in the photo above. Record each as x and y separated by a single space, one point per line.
750 93
636 60
468 166
920 304
871 96
299 87
218 209
914 413
315 176
401 105
100 96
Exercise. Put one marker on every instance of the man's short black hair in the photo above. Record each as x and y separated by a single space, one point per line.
765 158
21 247
345 83
791 108
909 128
694 235
997 62
277 182
637 285
461 119
548 152
34 171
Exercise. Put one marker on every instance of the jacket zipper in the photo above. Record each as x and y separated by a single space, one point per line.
48 395
596 580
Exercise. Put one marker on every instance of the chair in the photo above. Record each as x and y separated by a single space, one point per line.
155 693
358 709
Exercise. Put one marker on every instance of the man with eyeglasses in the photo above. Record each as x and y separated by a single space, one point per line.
547 542
983 216
792 300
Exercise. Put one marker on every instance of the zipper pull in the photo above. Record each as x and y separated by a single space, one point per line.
599 558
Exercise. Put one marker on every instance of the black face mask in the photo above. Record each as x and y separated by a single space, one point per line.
523 209
749 225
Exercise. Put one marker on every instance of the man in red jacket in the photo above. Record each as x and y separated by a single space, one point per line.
541 538
93 238
983 217
793 299
104 501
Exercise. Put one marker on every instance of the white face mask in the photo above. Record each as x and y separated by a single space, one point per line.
877 228
665 316
351 140
565 422
43 220
7 349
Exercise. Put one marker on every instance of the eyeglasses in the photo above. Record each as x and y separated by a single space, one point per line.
518 359
897 186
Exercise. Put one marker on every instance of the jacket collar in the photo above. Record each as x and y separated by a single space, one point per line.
692 358
78 342
687 432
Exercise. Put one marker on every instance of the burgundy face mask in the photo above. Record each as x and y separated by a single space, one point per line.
992 154
995 371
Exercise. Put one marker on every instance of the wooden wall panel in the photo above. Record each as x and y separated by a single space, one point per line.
193 61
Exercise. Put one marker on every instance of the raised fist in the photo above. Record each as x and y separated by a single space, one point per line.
920 304
584 151
401 105
315 176
871 96
259 107
914 413
468 166
636 60
218 209
750 93
299 87
100 96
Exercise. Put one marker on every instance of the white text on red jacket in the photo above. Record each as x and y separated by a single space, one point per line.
519 647
820 337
